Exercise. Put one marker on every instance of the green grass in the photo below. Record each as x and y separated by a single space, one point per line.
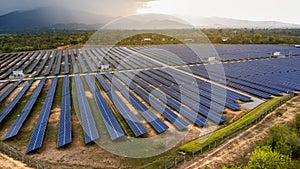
201 143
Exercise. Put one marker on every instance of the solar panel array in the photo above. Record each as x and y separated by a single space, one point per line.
12 104
7 92
16 126
187 54
143 82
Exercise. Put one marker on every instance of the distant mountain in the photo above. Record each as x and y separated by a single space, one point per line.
58 18
49 18
148 21
218 22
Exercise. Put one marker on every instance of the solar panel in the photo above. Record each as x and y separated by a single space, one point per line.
30 70
16 126
4 84
31 60
37 136
114 129
92 67
58 63
50 64
12 104
64 130
177 121
66 62
43 64
87 120
74 63
82 64
7 92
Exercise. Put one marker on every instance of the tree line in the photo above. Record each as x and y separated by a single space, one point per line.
49 40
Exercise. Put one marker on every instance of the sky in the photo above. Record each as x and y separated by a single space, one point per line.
190 10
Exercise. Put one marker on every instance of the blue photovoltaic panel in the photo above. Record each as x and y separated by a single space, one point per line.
87 119
87 59
114 129
4 84
149 116
16 126
30 60
11 66
37 136
50 64
58 63
6 57
177 121
74 63
133 122
64 130
30 70
97 63
12 104
100 58
82 65
43 64
9 90
66 62
6 66
180 108
17 66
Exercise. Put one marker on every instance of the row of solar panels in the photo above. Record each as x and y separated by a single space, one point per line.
115 57
263 78
119 58
189 54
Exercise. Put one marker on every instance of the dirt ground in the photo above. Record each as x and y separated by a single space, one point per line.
9 163
237 150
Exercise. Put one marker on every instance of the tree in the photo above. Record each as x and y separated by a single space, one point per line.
297 123
263 157
257 37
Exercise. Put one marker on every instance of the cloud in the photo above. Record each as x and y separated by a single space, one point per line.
106 7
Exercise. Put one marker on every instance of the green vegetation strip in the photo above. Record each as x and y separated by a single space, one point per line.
251 117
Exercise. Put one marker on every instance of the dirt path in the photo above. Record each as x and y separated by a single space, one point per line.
9 163
238 149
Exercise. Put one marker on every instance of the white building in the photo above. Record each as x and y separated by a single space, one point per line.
104 68
17 75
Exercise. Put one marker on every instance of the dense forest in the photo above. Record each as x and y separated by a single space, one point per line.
50 40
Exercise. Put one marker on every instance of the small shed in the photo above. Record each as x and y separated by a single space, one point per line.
17 75
105 68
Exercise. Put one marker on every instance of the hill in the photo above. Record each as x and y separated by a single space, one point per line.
49 18
218 22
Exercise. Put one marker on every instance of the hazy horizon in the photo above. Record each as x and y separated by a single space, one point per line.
189 10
